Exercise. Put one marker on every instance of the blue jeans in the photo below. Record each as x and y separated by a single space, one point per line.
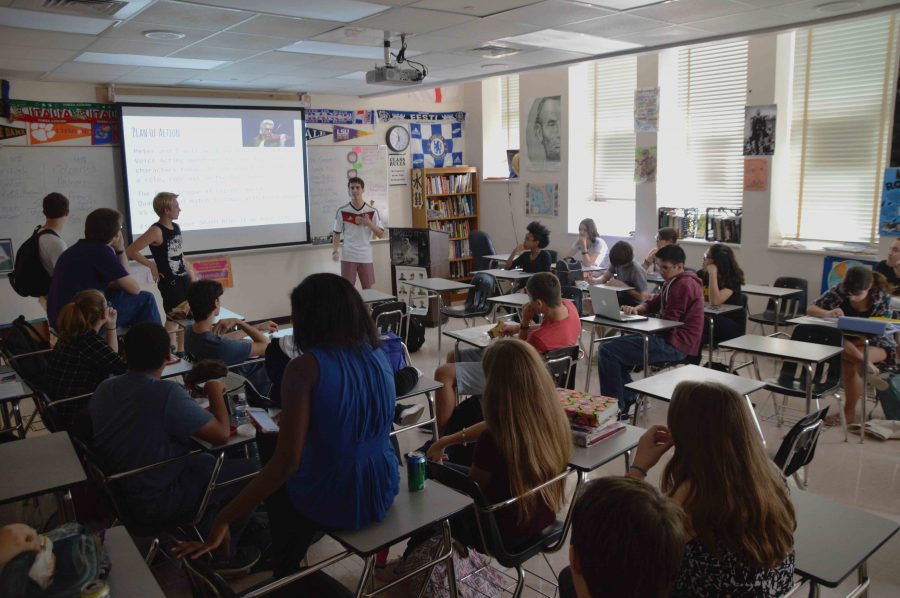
134 309
618 356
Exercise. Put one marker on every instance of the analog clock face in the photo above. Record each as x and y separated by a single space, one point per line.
398 138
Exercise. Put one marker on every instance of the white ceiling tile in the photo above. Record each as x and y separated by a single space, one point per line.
666 35
281 59
685 11
220 75
287 27
363 36
481 8
54 21
413 20
21 75
243 41
758 19
154 76
486 29
341 65
333 49
215 53
244 70
622 4
31 53
769 3
114 45
105 72
436 43
395 2
570 41
33 38
337 10
614 26
437 60
540 57
551 13
24 64
182 14
134 30
806 10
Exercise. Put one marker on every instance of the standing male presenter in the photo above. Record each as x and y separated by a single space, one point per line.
357 222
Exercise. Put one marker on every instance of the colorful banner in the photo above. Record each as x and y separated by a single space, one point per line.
890 203
436 146
389 116
10 132
214 268
59 112
40 133
346 133
646 110
330 116
312 133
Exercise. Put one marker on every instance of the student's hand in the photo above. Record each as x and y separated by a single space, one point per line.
214 386
712 270
629 309
154 273
218 536
519 248
837 312
509 329
653 444
225 325
111 317
267 326
335 255
528 312
15 539
118 242
436 451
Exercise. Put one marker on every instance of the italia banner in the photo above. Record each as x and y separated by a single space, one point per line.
60 112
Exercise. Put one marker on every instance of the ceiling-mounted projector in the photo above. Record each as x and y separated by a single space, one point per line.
392 72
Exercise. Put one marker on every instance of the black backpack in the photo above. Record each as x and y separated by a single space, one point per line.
23 338
29 278
415 334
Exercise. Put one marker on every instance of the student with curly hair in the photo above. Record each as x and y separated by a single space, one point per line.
532 258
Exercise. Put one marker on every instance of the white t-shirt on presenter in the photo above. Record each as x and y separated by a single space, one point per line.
356 238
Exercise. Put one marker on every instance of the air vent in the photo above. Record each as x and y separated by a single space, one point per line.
495 51
104 7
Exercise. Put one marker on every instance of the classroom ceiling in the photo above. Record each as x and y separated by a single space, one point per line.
326 46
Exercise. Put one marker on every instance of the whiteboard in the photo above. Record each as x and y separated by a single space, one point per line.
328 170
88 176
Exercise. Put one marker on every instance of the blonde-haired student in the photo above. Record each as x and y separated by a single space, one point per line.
169 272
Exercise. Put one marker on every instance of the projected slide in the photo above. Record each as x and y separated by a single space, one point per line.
239 173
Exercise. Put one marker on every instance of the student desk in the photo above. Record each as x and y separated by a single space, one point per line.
643 327
128 573
662 385
410 512
427 387
498 257
776 293
436 286
501 274
832 540
179 368
655 279
40 465
808 354
515 300
711 312
370 296
477 336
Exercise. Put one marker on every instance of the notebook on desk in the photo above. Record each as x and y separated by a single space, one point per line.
606 305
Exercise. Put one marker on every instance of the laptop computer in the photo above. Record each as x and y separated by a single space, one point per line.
606 305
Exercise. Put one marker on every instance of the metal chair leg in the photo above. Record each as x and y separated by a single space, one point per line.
520 581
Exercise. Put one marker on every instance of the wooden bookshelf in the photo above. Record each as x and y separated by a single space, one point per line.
446 199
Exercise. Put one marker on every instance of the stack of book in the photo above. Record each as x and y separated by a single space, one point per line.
592 418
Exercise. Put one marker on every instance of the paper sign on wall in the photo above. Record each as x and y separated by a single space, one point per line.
398 169
214 268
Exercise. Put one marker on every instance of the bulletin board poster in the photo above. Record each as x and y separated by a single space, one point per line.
834 268
889 220
214 268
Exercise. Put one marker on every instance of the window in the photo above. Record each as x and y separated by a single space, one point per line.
608 194
702 126
841 87
509 110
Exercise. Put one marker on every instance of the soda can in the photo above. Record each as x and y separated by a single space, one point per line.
415 470
95 589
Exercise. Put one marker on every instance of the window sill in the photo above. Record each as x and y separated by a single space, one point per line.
500 180
835 249
695 241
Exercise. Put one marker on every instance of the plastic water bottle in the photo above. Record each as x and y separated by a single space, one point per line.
240 410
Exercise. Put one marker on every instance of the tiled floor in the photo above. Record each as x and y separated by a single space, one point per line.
865 476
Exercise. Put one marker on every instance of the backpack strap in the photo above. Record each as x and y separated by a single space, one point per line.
45 231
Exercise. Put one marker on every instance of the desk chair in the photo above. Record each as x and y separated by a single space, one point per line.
799 446
568 273
792 378
476 304
489 539
390 317
562 363
59 416
791 307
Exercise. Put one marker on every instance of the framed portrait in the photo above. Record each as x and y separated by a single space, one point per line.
543 133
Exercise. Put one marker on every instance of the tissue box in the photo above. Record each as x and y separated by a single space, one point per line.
587 411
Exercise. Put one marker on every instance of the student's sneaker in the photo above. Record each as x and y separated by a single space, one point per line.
406 415
239 564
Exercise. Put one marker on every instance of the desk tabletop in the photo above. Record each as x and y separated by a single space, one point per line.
424 385
768 291
782 347
128 573
590 458
499 257
515 299
661 386
830 322
410 512
724 308
11 390
476 336
373 296
234 440
611 287
832 540
504 274
655 278
648 326
438 285
37 465
181 367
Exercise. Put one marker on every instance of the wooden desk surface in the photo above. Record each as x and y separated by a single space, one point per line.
662 385
832 540
608 449
782 347
648 326
38 465
410 512
128 574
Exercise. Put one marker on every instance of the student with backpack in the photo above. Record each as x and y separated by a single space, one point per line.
37 256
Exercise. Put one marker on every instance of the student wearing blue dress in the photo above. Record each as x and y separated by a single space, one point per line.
333 466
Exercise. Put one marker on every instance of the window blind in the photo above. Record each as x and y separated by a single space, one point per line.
509 110
844 78
706 145
611 143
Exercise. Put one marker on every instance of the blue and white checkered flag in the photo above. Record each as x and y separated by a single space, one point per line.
436 145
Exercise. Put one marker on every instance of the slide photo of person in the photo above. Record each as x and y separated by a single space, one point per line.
543 133
759 130
268 132
6 256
